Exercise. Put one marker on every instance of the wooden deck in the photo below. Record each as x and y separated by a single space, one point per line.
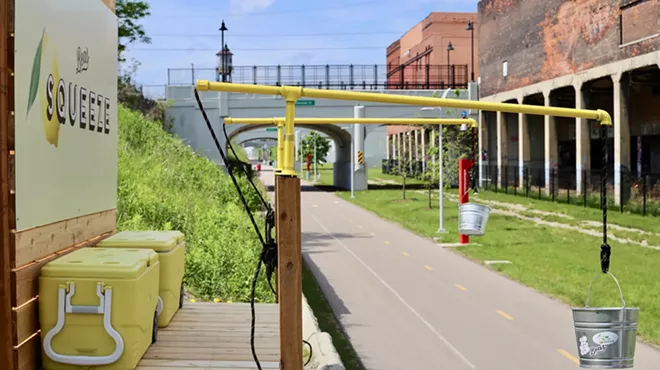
216 336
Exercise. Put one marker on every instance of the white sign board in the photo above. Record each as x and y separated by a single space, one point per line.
66 110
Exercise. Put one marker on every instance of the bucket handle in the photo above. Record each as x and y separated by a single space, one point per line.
623 302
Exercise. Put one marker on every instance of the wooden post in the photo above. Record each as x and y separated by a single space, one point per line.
289 271
7 220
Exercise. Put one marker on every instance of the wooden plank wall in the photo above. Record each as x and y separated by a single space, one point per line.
24 252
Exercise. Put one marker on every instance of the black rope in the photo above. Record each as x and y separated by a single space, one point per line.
605 249
268 256
265 204
269 248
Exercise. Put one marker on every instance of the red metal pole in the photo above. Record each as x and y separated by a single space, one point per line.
464 166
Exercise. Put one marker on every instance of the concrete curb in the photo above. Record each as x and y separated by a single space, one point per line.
324 354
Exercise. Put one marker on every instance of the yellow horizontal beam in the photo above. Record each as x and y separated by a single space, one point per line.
368 121
292 93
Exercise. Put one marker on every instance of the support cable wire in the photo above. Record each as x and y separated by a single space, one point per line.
268 255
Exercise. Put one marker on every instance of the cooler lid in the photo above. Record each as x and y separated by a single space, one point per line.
160 241
101 263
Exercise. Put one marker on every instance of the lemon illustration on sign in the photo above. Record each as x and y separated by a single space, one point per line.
40 76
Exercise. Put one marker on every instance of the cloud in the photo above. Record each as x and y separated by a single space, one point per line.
249 6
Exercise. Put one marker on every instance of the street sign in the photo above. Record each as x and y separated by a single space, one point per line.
271 129
306 102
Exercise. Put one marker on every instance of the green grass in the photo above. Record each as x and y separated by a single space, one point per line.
554 261
163 185
648 223
328 322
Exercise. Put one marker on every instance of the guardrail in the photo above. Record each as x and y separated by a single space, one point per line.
335 77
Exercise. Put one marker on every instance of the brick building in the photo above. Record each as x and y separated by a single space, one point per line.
421 55
591 54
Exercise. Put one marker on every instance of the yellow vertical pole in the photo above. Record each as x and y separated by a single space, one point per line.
280 145
289 155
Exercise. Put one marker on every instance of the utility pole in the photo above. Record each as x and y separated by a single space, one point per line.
223 28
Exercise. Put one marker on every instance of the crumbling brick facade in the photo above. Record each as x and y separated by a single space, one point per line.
544 39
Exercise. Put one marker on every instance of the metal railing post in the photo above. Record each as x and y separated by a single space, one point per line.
351 76
279 75
428 76
644 191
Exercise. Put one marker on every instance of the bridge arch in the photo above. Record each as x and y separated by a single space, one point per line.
339 134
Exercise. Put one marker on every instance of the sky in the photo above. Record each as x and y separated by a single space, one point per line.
274 32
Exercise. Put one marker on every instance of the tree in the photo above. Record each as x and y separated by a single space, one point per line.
307 147
129 12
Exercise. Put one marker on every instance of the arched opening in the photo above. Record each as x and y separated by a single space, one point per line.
338 134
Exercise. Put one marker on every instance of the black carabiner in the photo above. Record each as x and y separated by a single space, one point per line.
605 252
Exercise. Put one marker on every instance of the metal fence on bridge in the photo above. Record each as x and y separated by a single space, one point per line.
336 77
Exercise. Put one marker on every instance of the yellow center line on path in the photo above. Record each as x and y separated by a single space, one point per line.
386 242
405 254
568 356
428 267
505 315
459 286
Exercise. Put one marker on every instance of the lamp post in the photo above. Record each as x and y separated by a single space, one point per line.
450 47
470 27
222 30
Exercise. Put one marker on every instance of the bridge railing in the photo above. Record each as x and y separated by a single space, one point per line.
335 77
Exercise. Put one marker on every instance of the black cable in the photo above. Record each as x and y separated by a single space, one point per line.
310 352
269 249
231 147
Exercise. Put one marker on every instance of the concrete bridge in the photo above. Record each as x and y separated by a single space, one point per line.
186 121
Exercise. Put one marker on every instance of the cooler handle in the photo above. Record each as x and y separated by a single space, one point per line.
105 308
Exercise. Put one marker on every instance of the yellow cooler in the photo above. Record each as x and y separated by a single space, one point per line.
98 308
170 246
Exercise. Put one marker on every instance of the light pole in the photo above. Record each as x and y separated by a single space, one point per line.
223 28
450 47
431 112
470 27
352 162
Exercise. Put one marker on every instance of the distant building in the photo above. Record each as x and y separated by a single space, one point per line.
420 59
591 54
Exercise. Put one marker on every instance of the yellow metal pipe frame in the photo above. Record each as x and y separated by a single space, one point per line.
368 121
291 94
279 121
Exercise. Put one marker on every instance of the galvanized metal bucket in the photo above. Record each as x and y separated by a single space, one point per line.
606 336
472 219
